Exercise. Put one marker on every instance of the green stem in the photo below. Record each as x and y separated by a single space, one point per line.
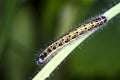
112 12
59 57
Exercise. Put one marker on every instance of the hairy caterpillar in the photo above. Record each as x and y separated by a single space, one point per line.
72 35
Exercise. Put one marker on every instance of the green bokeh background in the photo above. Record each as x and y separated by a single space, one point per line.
28 25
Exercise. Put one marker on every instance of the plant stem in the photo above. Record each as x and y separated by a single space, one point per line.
59 57
112 12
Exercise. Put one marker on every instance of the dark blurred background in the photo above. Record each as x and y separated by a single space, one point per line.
28 25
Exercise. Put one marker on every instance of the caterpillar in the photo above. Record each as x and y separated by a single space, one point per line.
50 51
